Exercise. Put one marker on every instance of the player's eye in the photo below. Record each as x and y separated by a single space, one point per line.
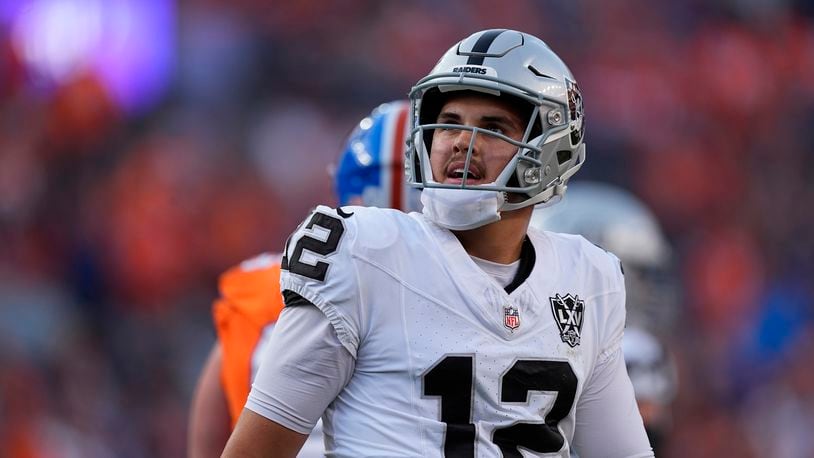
448 126
496 129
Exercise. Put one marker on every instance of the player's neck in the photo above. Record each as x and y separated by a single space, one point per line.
500 241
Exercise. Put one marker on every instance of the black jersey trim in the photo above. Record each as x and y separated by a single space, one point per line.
292 299
527 260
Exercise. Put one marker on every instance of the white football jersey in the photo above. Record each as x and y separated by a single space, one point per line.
447 362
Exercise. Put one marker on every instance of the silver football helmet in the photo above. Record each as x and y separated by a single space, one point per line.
619 222
505 63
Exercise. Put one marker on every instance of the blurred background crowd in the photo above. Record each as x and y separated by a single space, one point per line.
147 145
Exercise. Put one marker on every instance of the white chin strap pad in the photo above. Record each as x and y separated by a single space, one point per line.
461 209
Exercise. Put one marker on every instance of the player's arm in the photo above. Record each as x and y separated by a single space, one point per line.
257 436
608 419
306 368
608 422
209 416
310 356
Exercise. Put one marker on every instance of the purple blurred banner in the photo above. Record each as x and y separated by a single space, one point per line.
128 44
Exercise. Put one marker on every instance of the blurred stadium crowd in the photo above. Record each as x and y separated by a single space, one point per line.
147 145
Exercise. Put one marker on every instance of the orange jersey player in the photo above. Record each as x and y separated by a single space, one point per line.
244 315
370 172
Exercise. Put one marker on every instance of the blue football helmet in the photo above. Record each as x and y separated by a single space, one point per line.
371 168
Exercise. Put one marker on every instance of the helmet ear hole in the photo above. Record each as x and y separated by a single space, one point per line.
513 181
564 156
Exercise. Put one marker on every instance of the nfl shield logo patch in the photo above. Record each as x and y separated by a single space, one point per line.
511 318
568 313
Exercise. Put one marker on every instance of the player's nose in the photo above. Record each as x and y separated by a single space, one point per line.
464 140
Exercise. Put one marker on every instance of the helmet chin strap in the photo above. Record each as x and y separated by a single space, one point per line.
546 198
461 209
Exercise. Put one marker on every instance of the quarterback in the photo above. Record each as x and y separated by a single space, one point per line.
457 331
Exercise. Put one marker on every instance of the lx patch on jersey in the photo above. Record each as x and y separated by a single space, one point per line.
568 313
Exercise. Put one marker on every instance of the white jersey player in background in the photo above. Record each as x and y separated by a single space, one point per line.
458 331
619 222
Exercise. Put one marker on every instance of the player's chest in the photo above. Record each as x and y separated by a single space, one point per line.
445 309
486 330
473 311
498 331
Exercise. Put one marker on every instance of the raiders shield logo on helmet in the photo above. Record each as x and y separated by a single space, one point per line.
568 313
577 111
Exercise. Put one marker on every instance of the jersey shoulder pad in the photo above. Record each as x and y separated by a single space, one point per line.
328 237
322 238
326 247
593 260
378 229
319 267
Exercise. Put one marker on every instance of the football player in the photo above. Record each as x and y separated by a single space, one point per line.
370 172
654 374
619 222
458 331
